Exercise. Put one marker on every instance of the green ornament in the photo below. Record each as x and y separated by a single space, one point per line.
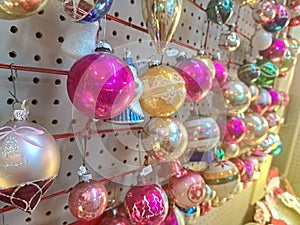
269 72
220 154
249 73
219 11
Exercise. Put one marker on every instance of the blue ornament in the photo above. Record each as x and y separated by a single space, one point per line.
219 11
99 11
281 20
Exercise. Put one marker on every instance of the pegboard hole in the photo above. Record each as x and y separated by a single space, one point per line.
59 60
35 80
69 174
10 101
142 24
103 136
65 222
56 102
66 207
140 40
125 161
37 58
41 12
48 213
33 121
116 14
28 219
126 148
34 102
135 159
57 82
70 157
114 33
54 122
14 29
12 54
72 139
129 19
101 151
62 18
60 39
39 35
99 167
132 2
128 37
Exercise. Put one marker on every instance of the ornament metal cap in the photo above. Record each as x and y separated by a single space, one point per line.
103 46
153 63
20 114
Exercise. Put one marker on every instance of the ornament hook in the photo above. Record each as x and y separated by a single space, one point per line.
12 78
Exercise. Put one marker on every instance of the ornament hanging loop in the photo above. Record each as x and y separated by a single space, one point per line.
13 76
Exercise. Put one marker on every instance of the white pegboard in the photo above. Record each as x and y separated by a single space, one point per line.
36 41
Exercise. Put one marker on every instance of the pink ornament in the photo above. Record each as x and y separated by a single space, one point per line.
174 217
197 77
235 130
262 103
205 207
252 169
240 164
187 190
273 121
276 100
100 85
114 219
285 98
276 52
146 204
221 74
88 200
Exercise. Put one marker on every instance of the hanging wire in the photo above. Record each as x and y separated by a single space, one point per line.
12 78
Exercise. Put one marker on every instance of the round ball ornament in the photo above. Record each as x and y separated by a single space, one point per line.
101 8
254 91
221 74
263 12
187 189
146 204
19 9
223 177
235 130
273 121
280 21
261 41
164 91
29 159
100 85
230 40
203 132
270 143
237 97
174 217
248 73
191 215
231 150
88 200
202 57
219 11
247 2
114 219
252 169
240 165
164 139
276 52
276 100
257 128
269 72
262 103
197 77
294 45
294 7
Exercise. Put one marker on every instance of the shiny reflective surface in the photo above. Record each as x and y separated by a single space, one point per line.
219 11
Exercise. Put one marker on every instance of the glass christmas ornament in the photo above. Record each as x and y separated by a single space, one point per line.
203 57
219 11
100 85
237 97
273 121
174 217
190 215
114 219
248 73
262 103
164 139
29 161
263 12
257 128
276 52
146 204
230 40
88 200
162 18
254 91
294 7
221 74
269 72
280 21
164 91
261 41
276 100
101 8
235 130
197 77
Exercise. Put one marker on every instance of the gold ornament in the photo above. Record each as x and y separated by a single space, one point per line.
162 18
19 9
164 91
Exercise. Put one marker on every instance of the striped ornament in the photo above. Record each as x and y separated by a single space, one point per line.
203 133
248 73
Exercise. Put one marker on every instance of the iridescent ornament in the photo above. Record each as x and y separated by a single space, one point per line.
278 150
187 189
223 177
204 58
248 73
254 91
230 40
237 97
134 113
219 11
263 12
235 130
164 91
230 150
269 72
294 45
19 9
199 161
280 21
257 128
101 8
252 172
161 18
146 204
100 85
247 2
221 74
29 161
276 100
174 217
88 200
203 132
197 77
273 121
191 215
270 143
164 139
262 103
294 7
276 52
